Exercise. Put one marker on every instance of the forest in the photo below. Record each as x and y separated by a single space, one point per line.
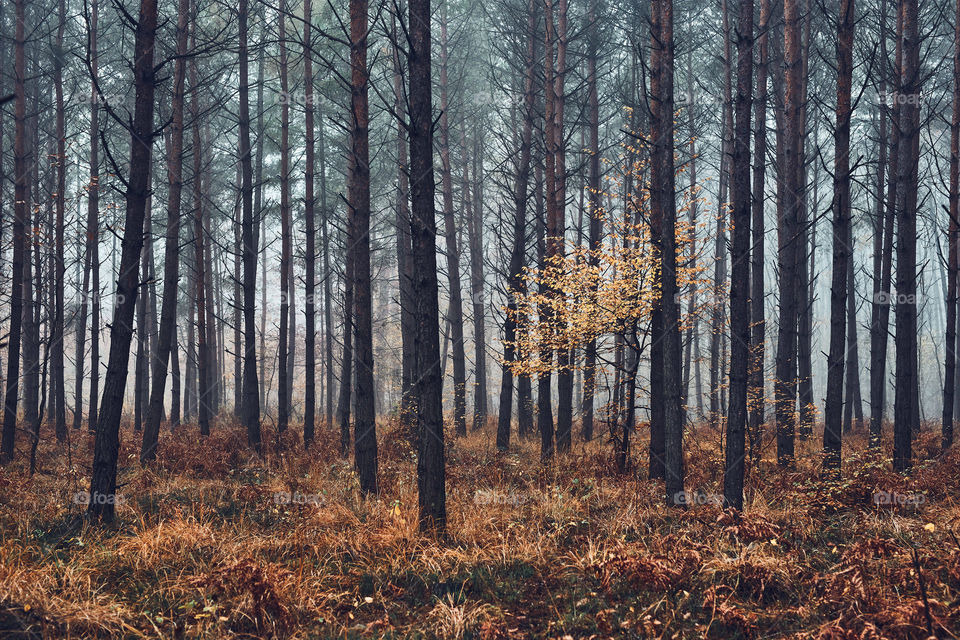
480 319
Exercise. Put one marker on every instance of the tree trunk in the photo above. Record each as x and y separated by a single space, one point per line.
515 283
842 236
286 286
785 388
204 386
251 399
404 262
556 226
595 209
740 265
106 446
880 321
358 198
20 213
475 240
452 250
949 378
427 374
310 391
906 411
328 276
757 396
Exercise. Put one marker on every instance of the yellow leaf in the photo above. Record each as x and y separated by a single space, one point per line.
930 526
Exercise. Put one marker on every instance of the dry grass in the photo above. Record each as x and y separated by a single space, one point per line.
202 549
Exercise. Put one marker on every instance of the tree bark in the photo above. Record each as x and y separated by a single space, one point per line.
953 239
452 250
757 395
310 391
20 213
251 399
785 388
906 411
842 236
740 265
107 443
427 375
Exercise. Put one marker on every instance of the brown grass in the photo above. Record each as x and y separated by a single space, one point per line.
202 549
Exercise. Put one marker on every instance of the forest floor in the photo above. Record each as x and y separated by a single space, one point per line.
212 542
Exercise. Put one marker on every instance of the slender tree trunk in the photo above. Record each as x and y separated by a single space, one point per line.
92 231
515 284
106 446
785 390
310 392
427 389
949 378
358 199
56 332
404 261
757 396
879 329
475 240
595 209
452 250
328 274
806 254
559 196
204 386
853 405
283 381
740 265
251 399
20 213
842 236
906 409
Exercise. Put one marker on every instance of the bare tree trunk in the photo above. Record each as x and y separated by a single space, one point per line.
595 209
953 239
805 258
404 261
310 392
286 286
880 321
204 387
327 277
475 240
20 213
427 389
906 411
57 278
788 237
358 198
556 231
853 405
106 446
452 250
515 282
663 211
757 396
740 265
93 204
842 237
720 253
251 399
